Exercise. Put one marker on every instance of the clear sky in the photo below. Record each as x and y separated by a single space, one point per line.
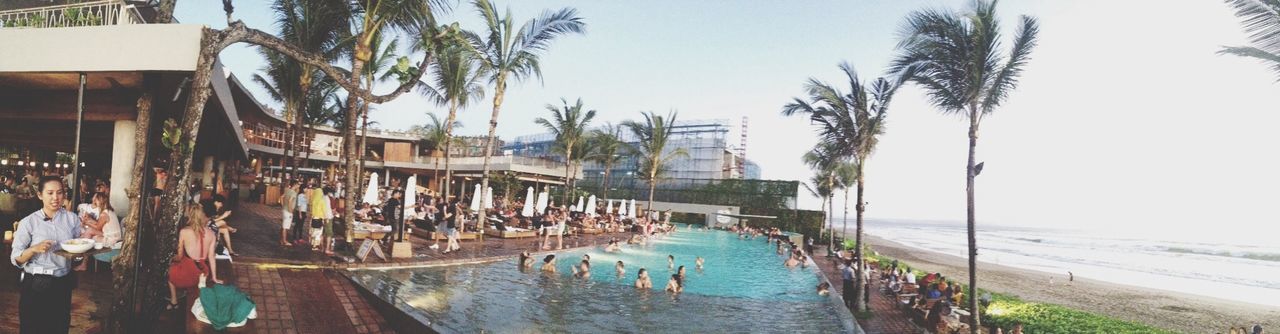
1125 118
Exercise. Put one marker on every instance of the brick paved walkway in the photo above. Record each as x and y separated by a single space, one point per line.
886 316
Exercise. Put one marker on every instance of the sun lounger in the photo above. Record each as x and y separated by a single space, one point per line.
510 233
429 235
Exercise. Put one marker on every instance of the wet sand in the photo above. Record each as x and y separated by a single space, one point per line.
1165 309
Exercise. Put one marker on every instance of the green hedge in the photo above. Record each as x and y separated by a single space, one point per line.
1007 310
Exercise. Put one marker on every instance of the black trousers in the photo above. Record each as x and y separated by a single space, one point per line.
301 226
848 294
45 304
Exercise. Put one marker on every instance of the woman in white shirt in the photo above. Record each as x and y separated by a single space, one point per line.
100 223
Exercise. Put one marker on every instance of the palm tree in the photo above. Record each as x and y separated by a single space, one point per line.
846 177
569 125
955 57
378 69
851 123
313 26
652 137
819 186
507 53
414 17
824 160
435 136
281 82
456 83
609 148
1262 23
323 106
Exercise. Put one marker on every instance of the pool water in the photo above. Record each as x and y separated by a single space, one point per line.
743 287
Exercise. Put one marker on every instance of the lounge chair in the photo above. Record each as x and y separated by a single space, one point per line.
510 233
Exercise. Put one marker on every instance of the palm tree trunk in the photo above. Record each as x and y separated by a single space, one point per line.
604 187
125 265
568 163
358 58
831 198
860 207
364 137
287 141
448 149
499 89
974 320
653 182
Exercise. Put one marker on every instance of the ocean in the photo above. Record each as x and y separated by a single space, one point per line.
1243 271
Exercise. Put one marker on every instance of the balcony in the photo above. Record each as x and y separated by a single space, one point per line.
84 14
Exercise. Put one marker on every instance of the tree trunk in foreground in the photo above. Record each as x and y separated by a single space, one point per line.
974 320
499 89
860 207
123 311
448 150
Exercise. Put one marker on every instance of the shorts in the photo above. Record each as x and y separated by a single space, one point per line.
286 219
328 228
453 233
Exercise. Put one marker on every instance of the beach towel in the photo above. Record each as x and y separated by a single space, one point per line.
224 306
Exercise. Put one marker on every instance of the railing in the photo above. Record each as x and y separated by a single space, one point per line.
93 13
507 159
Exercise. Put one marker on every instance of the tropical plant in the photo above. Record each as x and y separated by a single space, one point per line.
1261 19
381 67
851 124
609 148
824 160
435 136
652 136
956 58
569 125
455 83
507 53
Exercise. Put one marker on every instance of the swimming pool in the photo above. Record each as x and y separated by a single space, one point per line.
743 288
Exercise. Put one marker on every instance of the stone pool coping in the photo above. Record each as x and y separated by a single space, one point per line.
845 316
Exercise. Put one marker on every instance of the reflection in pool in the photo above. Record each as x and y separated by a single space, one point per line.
743 288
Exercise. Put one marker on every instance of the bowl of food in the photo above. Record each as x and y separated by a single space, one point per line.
77 246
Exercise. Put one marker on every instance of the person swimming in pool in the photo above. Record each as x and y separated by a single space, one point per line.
698 263
620 268
549 263
642 280
671 262
823 288
676 284
613 247
526 260
582 270
792 261
680 272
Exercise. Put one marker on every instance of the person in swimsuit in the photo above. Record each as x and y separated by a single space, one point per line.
620 269
642 280
549 264
583 270
675 284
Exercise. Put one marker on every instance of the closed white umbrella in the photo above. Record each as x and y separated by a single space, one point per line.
371 193
609 209
410 196
622 208
528 204
488 197
632 211
475 199
541 206
591 205
580 205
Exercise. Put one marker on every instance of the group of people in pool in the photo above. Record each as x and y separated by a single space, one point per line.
583 269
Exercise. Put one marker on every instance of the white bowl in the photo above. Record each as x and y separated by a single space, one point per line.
77 246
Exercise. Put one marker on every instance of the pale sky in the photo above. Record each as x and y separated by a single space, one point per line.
1125 118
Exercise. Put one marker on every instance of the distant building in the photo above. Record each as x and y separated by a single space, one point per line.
709 154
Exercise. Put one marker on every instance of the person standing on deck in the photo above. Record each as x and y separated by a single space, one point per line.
44 305
288 203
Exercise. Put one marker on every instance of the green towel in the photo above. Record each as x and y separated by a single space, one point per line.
224 305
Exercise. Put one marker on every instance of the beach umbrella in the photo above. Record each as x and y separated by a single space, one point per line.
488 198
622 208
541 205
475 199
371 193
528 204
580 206
591 205
633 209
411 196
609 209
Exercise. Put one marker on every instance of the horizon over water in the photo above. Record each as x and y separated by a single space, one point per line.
1235 268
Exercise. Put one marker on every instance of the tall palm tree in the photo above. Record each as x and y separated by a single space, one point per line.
436 137
851 123
455 83
569 125
323 106
507 53
609 147
280 79
414 17
379 69
956 58
1262 23
819 186
652 137
846 177
313 26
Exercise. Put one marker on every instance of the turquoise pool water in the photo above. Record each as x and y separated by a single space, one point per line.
743 288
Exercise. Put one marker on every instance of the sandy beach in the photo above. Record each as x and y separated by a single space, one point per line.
1160 308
